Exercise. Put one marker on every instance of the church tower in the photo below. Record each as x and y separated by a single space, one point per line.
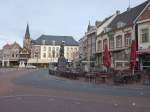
27 39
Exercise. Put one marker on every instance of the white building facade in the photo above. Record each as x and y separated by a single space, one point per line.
46 49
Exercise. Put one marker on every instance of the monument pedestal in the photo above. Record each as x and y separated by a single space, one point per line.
62 64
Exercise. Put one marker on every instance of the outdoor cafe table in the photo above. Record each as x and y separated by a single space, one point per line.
91 77
103 76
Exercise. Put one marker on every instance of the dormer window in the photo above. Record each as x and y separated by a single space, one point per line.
106 29
120 24
63 42
53 42
43 42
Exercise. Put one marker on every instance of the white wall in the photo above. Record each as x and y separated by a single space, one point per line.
71 50
140 27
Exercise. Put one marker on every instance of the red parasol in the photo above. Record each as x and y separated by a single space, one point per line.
106 57
133 55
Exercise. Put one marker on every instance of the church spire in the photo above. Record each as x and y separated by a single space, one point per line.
89 26
27 34
89 23
27 39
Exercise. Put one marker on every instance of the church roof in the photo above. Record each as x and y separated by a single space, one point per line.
49 39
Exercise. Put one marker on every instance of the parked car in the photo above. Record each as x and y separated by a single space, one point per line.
30 66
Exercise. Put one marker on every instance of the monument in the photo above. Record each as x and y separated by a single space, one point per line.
62 62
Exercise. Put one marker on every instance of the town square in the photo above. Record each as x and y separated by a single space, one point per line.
105 69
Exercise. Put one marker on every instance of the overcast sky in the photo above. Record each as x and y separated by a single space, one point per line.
54 17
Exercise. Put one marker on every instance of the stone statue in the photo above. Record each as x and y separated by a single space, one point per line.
62 62
62 49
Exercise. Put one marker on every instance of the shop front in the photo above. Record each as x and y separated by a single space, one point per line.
144 59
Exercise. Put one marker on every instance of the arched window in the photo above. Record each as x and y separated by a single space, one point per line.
105 43
127 39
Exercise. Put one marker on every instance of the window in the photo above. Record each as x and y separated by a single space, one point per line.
111 43
44 55
119 64
43 42
49 49
57 54
119 41
71 54
35 55
127 39
120 24
49 55
75 49
99 45
144 35
36 50
104 43
67 54
53 52
44 48
13 55
57 49
67 49
107 29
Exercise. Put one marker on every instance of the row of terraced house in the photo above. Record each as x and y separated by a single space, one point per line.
117 31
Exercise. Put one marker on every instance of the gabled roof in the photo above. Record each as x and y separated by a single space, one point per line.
106 19
69 40
24 51
128 17
15 44
9 46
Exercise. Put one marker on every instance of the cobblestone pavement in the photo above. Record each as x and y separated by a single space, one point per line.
36 91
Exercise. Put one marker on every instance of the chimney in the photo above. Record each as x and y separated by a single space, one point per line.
128 9
118 12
